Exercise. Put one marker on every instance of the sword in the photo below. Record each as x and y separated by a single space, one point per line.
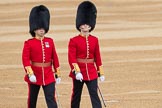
58 101
101 96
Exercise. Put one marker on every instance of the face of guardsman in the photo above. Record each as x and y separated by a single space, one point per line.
85 29
40 32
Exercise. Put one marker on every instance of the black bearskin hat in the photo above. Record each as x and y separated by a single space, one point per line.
39 18
86 14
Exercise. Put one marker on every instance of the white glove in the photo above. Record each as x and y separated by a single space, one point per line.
102 78
58 80
32 78
79 76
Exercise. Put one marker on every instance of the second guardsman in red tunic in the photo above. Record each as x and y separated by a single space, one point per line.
84 56
40 59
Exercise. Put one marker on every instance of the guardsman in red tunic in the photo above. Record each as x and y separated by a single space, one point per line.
40 59
84 56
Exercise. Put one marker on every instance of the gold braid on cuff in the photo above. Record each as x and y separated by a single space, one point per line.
101 72
76 67
29 70
57 74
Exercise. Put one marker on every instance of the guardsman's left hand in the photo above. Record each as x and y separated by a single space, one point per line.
102 78
58 80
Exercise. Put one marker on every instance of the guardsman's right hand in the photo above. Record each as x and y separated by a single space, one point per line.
32 78
31 75
79 76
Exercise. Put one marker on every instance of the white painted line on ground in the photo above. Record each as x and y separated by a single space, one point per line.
10 66
144 92
136 60
135 92
132 48
112 101
13 82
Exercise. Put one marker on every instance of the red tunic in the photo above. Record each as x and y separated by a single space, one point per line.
82 47
40 51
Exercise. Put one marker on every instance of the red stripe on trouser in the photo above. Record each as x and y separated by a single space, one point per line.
54 94
28 96
72 91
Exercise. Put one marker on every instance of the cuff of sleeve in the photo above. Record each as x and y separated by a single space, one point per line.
76 68
101 72
29 70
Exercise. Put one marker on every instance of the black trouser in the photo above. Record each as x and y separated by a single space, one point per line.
77 91
49 92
